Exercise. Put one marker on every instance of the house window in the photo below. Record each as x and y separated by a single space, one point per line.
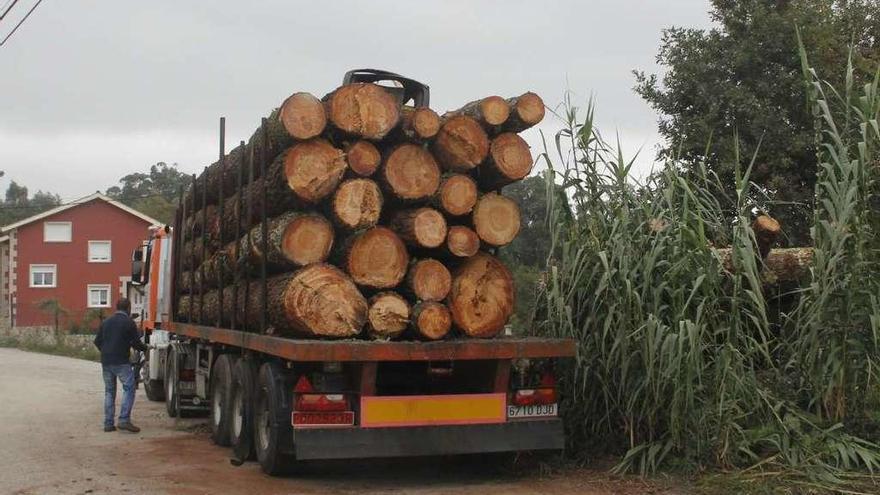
57 231
43 276
99 296
99 251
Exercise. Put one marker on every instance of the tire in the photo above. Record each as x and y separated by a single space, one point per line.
171 399
242 394
273 434
221 405
155 389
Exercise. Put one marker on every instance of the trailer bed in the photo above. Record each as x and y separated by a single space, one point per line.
371 350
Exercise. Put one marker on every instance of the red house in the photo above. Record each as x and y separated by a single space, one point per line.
78 254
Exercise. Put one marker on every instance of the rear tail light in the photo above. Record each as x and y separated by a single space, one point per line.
321 402
530 397
186 375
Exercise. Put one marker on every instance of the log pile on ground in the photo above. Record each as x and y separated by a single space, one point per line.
382 220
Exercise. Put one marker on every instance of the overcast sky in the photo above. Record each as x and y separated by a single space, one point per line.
93 90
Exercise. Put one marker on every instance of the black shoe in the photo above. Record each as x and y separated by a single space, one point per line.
129 427
110 428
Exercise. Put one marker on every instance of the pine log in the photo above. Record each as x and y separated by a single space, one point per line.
526 111
357 204
410 173
461 144
482 296
509 160
194 255
490 112
388 315
457 195
186 305
429 280
431 320
780 265
311 170
462 242
419 124
767 230
318 300
363 158
295 239
193 224
303 116
496 219
376 258
363 109
189 281
221 267
420 227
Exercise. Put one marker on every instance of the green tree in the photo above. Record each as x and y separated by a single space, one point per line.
154 193
744 76
17 205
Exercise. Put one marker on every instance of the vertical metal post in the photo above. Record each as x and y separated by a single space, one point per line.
204 246
220 200
249 215
265 228
192 257
236 262
177 234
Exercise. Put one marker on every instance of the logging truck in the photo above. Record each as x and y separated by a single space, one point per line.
282 398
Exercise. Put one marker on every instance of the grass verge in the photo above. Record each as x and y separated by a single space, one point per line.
61 349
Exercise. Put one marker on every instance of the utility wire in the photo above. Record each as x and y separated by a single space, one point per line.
20 22
5 9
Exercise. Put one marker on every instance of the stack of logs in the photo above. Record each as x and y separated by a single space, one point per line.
382 220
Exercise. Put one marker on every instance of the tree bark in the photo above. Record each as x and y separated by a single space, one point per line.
357 204
461 144
431 320
376 258
496 219
490 112
388 315
526 111
363 158
482 296
189 281
780 265
420 227
363 109
410 173
509 160
419 124
462 242
295 239
429 280
457 195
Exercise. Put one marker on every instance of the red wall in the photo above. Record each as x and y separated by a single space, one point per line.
96 221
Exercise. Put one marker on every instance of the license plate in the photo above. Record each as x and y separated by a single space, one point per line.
534 411
186 386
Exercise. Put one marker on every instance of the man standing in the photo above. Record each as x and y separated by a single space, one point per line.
117 335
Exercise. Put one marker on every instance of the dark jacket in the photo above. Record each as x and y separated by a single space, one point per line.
117 335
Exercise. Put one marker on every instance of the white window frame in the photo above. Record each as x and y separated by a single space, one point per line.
46 228
109 252
91 287
43 268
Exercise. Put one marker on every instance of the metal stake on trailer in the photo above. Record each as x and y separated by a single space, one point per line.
265 227
249 216
220 266
204 246
176 241
236 268
192 258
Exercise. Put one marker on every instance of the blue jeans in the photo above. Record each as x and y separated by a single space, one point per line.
126 377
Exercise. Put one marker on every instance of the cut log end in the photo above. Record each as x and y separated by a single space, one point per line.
482 296
363 158
431 320
461 144
458 195
510 160
377 259
422 227
411 173
388 315
421 123
357 204
529 109
313 169
364 110
307 239
462 241
303 116
429 280
496 219
321 300
494 110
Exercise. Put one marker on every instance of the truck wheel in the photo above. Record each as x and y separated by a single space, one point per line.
171 383
273 435
242 395
221 405
155 389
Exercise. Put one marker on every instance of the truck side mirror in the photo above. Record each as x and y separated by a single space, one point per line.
138 277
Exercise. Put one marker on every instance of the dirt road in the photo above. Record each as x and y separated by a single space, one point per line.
51 441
